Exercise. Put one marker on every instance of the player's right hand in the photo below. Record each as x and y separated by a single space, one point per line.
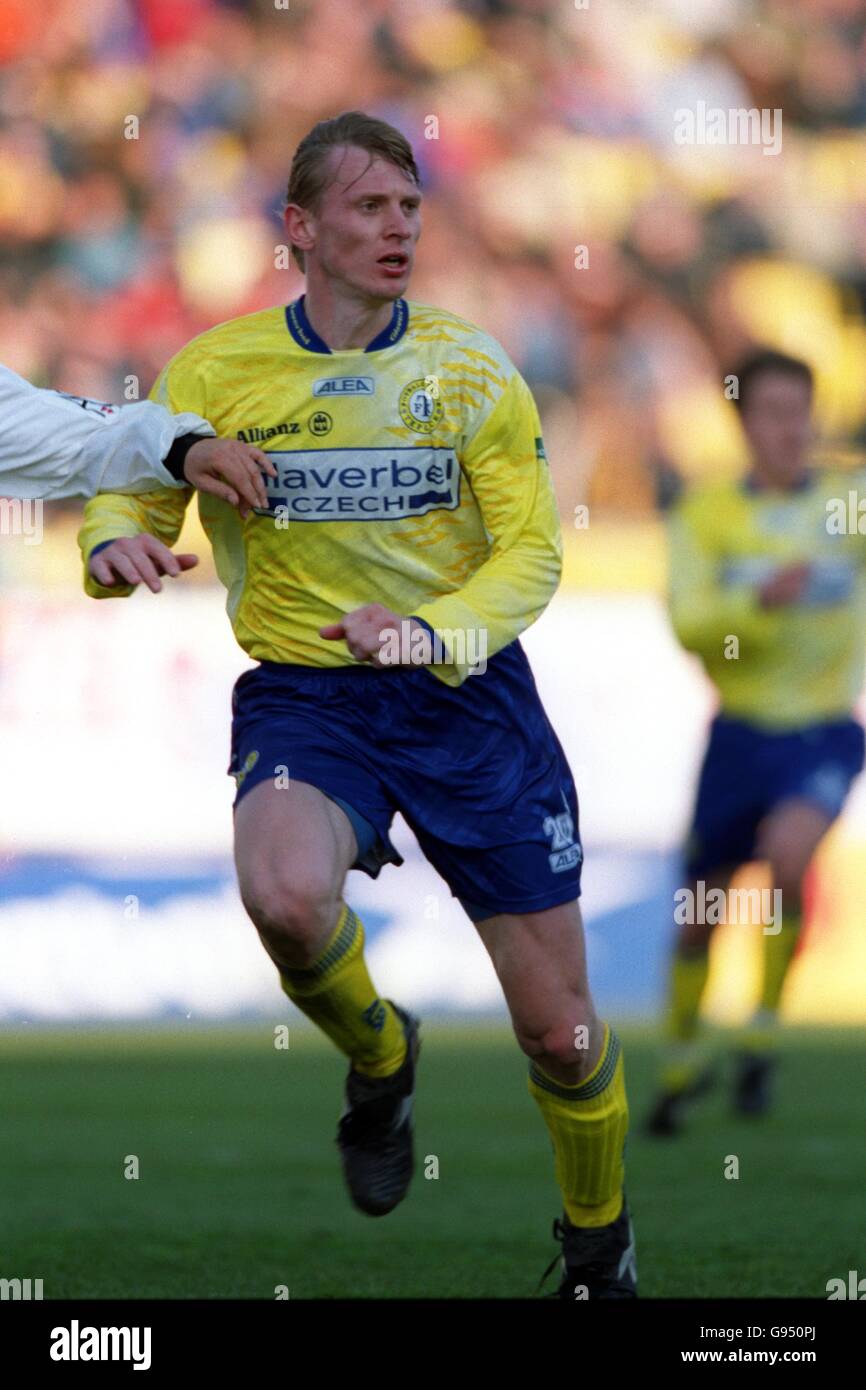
138 560
785 586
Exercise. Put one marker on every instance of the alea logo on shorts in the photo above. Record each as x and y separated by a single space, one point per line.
566 854
364 484
249 763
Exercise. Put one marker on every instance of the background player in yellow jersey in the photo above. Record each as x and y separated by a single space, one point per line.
412 505
770 591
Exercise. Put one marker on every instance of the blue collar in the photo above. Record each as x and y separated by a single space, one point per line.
306 336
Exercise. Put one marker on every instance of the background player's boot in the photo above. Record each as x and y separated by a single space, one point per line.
666 1114
665 1117
596 1261
375 1130
752 1083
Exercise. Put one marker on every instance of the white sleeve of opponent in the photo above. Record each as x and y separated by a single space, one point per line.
54 445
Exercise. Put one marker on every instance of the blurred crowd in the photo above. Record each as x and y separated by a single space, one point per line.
145 148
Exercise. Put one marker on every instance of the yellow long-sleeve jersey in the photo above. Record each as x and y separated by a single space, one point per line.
789 666
412 473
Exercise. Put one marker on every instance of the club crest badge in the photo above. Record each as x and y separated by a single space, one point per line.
421 406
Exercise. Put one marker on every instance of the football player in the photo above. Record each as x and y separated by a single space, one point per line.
770 591
411 536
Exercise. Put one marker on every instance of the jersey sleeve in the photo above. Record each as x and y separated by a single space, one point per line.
506 468
704 611
178 391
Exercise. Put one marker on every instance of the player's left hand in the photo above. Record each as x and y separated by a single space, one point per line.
231 470
375 634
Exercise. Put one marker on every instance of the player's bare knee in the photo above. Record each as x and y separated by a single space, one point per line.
567 1042
293 913
572 1044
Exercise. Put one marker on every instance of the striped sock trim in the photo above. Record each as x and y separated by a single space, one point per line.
347 934
593 1086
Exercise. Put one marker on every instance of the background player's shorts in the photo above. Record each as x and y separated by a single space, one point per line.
748 771
477 772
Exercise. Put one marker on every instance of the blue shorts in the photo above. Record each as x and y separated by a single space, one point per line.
477 772
748 771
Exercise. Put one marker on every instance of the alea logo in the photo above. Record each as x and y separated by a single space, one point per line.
566 854
345 386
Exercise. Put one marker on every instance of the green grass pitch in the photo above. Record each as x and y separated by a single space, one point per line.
239 1189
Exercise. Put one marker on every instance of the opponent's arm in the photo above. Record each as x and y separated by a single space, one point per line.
54 445
146 445
151 517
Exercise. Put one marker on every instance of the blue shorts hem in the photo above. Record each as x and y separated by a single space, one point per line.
375 848
477 912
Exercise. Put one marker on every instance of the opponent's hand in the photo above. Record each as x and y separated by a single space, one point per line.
784 587
231 470
136 560
375 634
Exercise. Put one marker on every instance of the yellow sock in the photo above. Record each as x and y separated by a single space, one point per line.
689 972
337 994
588 1125
760 1034
778 951
685 1057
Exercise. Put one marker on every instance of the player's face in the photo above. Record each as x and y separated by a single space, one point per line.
777 418
366 226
